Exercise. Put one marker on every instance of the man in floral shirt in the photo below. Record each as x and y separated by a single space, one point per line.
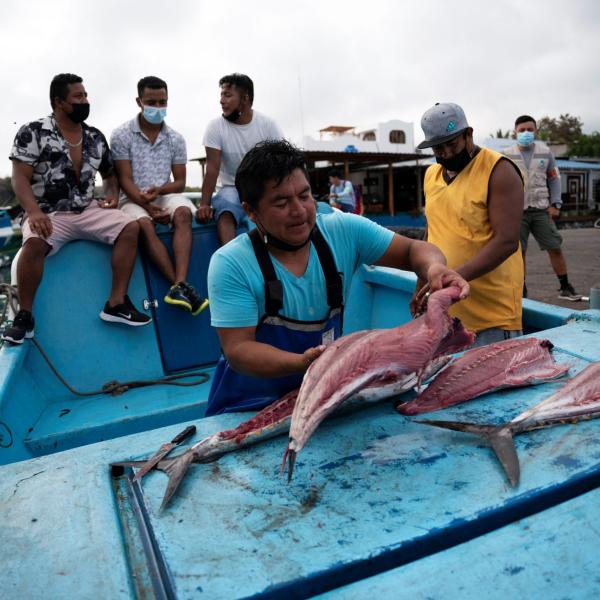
55 160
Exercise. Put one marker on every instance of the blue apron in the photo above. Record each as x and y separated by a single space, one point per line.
231 391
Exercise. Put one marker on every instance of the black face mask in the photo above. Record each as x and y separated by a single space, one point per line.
280 244
80 113
456 163
234 116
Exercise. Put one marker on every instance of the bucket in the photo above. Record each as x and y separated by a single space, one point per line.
595 297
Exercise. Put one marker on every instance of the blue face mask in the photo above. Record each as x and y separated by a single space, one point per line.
154 115
525 138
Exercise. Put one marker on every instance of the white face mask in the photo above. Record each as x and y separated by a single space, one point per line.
155 115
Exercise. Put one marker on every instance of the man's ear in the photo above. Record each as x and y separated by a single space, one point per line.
249 212
139 103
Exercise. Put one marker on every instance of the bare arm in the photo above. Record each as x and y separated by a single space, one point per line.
213 165
249 357
505 208
39 222
125 175
177 185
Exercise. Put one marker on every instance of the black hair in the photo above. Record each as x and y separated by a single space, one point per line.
525 119
335 173
271 160
59 86
241 82
152 82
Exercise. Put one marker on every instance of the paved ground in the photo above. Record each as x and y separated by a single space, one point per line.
582 251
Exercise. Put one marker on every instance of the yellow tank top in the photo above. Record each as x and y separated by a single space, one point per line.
458 223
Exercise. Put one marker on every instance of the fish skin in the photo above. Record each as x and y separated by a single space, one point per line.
510 363
271 421
346 368
579 399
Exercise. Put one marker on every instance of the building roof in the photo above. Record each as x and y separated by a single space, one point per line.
336 129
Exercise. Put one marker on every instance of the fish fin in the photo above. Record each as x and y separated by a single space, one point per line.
175 468
499 437
292 462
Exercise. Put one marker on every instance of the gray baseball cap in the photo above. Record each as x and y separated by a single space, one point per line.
441 123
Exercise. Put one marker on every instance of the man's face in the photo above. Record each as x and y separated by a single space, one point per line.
152 97
450 149
231 99
286 211
76 94
527 126
334 180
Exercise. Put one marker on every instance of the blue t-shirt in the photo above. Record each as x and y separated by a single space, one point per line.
236 285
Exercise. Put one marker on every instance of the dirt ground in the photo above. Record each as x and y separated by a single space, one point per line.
581 248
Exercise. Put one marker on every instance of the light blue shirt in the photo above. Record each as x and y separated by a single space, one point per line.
236 285
150 163
345 193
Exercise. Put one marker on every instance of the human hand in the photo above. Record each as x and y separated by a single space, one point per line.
149 195
40 223
108 202
159 215
553 212
312 354
440 276
204 213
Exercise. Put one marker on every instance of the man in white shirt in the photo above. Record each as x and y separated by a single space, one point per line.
227 140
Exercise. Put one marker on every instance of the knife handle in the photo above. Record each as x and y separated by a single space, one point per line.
186 433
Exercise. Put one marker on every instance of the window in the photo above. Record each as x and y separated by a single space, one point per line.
369 136
397 136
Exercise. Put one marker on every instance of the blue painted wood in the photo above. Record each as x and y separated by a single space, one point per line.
186 342
371 491
553 554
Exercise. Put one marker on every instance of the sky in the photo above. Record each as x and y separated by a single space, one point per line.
313 63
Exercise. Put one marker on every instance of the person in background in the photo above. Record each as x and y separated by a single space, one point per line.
473 206
542 200
227 139
277 294
146 151
341 192
55 160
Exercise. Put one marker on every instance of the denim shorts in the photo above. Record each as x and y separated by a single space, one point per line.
227 200
493 335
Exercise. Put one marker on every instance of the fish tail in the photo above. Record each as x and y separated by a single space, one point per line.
498 436
175 468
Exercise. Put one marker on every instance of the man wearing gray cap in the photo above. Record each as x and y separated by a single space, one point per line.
474 206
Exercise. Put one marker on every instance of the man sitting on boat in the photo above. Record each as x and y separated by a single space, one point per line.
473 206
227 139
55 160
146 151
277 294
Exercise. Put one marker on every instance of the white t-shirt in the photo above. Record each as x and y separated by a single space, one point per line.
234 141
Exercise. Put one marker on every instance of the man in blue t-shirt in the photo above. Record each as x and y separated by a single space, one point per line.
277 294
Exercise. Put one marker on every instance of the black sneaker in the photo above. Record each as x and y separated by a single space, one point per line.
198 302
178 296
21 328
568 293
125 313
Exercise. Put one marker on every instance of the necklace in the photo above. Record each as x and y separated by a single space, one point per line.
74 145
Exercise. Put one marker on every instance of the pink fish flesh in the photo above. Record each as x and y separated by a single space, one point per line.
511 363
271 421
366 358
578 399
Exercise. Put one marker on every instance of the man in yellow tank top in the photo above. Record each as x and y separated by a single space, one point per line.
474 206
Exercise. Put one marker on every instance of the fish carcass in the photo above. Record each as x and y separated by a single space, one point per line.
271 421
578 399
367 358
511 363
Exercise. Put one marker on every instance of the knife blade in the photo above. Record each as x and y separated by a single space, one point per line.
164 450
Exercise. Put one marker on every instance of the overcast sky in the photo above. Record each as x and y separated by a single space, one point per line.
314 62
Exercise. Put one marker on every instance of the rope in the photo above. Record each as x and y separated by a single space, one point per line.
113 387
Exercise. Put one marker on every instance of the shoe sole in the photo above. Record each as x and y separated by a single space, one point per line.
112 319
28 336
179 303
571 298
202 307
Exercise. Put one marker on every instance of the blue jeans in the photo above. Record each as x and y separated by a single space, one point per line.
228 200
